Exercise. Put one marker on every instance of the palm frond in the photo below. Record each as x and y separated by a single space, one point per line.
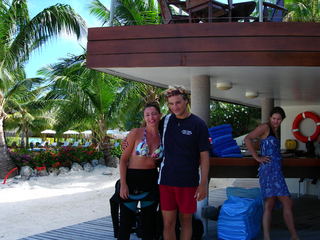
100 11
48 23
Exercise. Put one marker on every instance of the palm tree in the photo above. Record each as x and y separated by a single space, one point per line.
19 36
82 97
303 10
128 12
25 113
131 12
88 99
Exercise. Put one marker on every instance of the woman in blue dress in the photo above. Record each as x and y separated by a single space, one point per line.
272 182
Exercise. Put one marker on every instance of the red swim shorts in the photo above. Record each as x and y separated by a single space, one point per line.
181 198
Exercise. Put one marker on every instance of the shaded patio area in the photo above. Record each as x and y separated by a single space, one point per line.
306 209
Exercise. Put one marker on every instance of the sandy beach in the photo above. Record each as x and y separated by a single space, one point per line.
45 203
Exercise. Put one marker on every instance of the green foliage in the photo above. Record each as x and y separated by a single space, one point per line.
127 12
116 150
20 35
242 118
303 10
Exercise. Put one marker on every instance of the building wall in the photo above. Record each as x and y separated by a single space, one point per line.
307 128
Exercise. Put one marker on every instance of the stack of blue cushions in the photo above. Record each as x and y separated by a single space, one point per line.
223 145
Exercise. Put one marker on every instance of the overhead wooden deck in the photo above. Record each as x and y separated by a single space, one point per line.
206 44
248 167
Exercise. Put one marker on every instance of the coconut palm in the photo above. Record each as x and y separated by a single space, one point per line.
88 99
131 12
82 97
25 113
303 10
19 36
128 12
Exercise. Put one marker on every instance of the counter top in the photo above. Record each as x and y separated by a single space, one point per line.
247 167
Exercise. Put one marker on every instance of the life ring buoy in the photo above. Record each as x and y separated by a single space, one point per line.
296 123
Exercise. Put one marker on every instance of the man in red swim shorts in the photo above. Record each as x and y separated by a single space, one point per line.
186 148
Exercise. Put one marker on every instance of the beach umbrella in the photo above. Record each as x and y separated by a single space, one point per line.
87 132
71 132
48 131
115 133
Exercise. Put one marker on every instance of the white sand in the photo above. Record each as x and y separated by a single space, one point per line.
46 203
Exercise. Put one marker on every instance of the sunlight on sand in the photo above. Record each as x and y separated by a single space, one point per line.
54 186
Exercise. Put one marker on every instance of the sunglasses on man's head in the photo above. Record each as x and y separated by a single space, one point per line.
173 93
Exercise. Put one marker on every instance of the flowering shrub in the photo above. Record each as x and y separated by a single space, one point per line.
21 158
63 156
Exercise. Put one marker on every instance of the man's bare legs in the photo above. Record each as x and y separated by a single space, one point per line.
186 226
288 216
169 224
267 214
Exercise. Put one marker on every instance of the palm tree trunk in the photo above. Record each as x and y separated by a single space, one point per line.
6 163
27 138
22 139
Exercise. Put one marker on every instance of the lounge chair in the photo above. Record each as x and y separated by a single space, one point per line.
54 144
87 144
274 12
65 144
75 144
43 144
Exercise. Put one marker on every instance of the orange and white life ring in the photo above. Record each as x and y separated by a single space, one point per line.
296 123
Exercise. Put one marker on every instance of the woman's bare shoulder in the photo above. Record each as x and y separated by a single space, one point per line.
135 133
259 131
264 126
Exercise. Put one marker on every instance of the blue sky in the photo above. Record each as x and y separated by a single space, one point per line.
63 45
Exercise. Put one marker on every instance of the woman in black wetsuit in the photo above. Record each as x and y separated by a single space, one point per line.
138 175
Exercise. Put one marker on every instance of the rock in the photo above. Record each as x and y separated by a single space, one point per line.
76 167
102 161
95 162
26 172
87 167
63 170
107 172
53 171
42 173
113 162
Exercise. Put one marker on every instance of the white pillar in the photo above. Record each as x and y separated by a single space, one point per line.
266 106
200 96
260 7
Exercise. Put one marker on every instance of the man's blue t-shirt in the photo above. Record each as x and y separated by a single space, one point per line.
183 141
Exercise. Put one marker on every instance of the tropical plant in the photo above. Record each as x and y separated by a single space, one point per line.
303 10
84 98
128 12
25 113
242 118
19 36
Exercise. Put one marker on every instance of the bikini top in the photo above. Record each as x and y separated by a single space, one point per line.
143 148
